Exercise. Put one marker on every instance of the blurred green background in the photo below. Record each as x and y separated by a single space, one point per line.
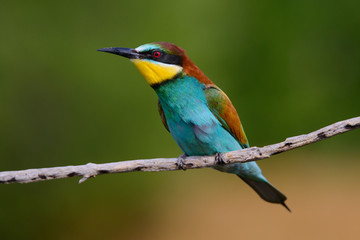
290 67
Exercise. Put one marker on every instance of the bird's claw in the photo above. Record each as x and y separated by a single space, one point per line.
180 162
219 159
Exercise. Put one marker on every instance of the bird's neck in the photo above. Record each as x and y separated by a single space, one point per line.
192 70
181 93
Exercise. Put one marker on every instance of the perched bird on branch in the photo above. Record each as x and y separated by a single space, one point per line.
197 113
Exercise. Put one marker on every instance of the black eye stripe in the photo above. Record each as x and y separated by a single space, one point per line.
170 59
164 57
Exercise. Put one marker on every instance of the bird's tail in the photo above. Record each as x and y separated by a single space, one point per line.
266 191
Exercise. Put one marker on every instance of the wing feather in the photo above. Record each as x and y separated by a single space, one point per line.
162 115
222 108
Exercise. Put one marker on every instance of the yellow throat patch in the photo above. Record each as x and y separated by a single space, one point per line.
156 72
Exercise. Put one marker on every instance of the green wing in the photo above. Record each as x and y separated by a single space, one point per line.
222 108
162 115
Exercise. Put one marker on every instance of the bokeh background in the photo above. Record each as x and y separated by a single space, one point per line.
290 67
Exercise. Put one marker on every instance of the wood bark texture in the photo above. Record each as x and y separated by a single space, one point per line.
169 164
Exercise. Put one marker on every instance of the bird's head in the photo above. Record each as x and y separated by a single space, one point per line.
159 62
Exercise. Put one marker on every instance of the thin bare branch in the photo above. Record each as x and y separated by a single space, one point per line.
169 164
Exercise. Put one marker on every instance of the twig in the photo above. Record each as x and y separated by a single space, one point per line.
169 164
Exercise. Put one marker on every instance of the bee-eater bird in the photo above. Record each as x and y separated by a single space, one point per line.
199 116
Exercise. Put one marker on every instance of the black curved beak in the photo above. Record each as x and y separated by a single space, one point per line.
124 52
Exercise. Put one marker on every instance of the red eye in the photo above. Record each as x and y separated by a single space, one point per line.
156 54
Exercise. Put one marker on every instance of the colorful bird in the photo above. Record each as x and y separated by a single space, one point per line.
199 116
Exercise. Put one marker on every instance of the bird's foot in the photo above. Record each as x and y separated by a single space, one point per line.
180 162
219 159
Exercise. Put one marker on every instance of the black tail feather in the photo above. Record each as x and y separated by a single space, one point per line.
283 203
267 192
